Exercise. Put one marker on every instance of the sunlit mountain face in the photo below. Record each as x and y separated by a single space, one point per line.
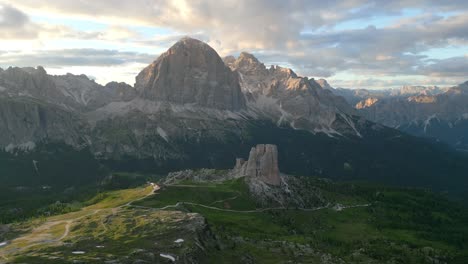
233 132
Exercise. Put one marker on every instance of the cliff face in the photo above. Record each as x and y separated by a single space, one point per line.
262 164
290 99
366 103
24 121
191 72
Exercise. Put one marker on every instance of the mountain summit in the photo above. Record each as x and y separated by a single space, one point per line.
191 72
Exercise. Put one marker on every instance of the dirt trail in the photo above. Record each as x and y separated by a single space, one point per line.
247 211
41 234
67 230
191 186
222 201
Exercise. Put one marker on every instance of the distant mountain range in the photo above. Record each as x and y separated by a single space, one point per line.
190 108
439 113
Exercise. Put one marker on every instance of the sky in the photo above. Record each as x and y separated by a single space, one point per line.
354 43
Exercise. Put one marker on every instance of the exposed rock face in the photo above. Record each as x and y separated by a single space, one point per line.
262 164
414 90
191 72
120 91
71 92
201 175
35 106
366 103
290 99
324 84
25 120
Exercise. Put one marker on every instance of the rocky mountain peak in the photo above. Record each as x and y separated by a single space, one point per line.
120 91
249 58
246 64
261 165
28 81
323 83
191 72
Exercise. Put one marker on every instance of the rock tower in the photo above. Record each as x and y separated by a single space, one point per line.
262 164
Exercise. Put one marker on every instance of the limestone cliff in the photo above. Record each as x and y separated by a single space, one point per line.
290 99
191 72
262 164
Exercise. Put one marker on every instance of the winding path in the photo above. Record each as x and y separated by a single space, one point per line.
249 211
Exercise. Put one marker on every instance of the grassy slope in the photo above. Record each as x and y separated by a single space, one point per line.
106 230
404 225
19 204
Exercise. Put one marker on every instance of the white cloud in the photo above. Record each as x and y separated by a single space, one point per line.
120 73
73 57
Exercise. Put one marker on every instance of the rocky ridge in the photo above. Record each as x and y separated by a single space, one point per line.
355 96
290 99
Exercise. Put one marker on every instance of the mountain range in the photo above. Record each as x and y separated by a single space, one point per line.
432 112
191 109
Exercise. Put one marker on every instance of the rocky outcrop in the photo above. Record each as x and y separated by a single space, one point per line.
262 164
366 103
200 175
191 72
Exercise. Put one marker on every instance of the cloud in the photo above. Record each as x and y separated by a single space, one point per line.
15 24
393 50
74 57
376 83
455 66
